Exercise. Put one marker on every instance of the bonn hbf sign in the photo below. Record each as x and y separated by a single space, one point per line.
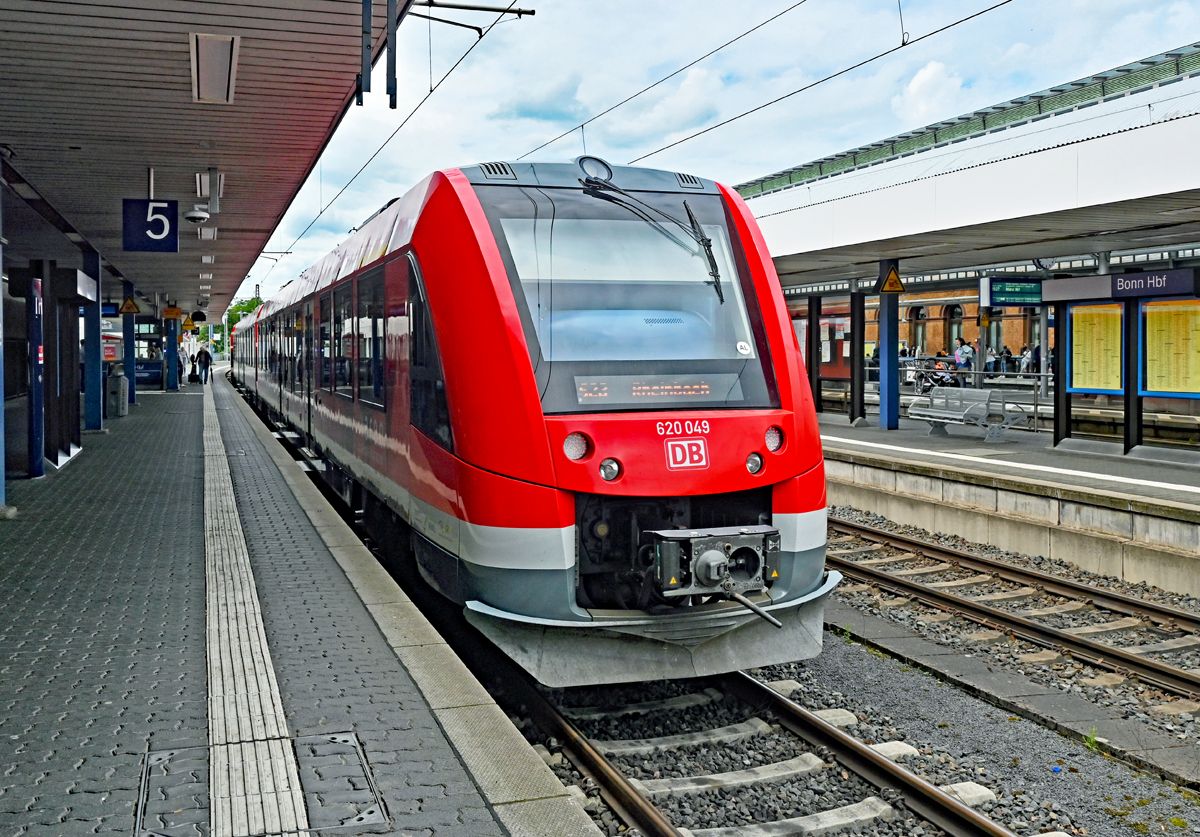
1180 282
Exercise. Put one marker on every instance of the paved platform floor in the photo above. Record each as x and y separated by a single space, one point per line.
1021 454
109 678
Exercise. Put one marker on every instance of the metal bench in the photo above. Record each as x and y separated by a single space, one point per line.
989 409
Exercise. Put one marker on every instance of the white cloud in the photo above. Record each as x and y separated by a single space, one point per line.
532 79
933 93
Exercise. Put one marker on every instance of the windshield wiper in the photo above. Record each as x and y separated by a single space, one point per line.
706 242
596 188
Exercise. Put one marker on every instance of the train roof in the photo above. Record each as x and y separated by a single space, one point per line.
391 228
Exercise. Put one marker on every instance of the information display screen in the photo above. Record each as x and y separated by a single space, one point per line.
1005 292
1171 330
658 389
1096 348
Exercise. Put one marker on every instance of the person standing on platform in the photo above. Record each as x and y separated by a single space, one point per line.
204 360
963 355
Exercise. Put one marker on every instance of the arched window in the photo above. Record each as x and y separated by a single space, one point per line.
954 326
994 329
1033 327
916 330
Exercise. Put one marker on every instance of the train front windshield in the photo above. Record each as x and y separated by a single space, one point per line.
632 300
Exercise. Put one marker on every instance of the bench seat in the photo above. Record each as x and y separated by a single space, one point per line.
990 409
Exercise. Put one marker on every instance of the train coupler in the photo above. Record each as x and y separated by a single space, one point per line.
714 562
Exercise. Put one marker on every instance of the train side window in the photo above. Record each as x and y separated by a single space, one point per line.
343 340
428 410
371 342
296 350
323 348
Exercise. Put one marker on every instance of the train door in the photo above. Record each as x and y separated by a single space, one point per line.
306 384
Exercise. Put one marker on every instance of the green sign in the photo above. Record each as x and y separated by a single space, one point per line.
1006 292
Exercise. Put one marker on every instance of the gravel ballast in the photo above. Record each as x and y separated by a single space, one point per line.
1135 701
1089 790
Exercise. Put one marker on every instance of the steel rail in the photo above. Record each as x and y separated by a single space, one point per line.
1169 617
626 800
1096 654
921 797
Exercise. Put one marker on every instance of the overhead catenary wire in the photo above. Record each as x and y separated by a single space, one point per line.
820 81
433 89
665 78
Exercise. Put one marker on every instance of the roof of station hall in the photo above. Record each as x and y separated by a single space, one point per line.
1068 103
96 93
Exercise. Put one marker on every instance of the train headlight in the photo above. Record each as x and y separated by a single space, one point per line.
610 469
754 463
774 439
576 446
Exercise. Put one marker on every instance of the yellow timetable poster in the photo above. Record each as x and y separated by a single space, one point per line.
1096 347
1172 345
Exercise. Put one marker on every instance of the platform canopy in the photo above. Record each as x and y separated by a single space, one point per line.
1100 164
94 94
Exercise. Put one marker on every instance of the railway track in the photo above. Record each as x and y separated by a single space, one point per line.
890 785
911 576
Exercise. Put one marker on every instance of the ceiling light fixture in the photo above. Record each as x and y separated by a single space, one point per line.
202 184
206 233
207 259
25 190
205 276
214 67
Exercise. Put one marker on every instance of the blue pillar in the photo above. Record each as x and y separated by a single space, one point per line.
172 354
93 354
40 272
889 355
129 339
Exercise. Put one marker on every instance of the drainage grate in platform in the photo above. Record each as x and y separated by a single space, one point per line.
338 789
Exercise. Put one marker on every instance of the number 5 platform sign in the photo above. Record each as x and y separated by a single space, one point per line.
151 226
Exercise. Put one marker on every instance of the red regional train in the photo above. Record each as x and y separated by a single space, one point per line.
576 389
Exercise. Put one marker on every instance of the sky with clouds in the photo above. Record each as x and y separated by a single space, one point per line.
534 78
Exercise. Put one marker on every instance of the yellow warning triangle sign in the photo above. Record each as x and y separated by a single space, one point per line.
673 581
129 307
188 325
892 284
774 573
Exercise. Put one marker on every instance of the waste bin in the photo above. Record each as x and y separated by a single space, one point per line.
116 392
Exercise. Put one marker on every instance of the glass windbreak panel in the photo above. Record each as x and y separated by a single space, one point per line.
1095 359
1171 372
1098 416
620 306
325 343
1171 342
343 340
371 341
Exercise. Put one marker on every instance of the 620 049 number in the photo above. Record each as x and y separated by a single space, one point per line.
678 428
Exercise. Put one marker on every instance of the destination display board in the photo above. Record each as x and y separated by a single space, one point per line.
1171 329
1002 292
1096 348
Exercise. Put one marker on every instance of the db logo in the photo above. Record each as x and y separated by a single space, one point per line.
687 453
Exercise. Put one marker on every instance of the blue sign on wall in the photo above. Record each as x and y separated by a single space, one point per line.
150 226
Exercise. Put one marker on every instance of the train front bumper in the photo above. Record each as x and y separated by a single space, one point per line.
620 646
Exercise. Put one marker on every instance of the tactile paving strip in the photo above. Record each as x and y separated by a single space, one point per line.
171 802
254 785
